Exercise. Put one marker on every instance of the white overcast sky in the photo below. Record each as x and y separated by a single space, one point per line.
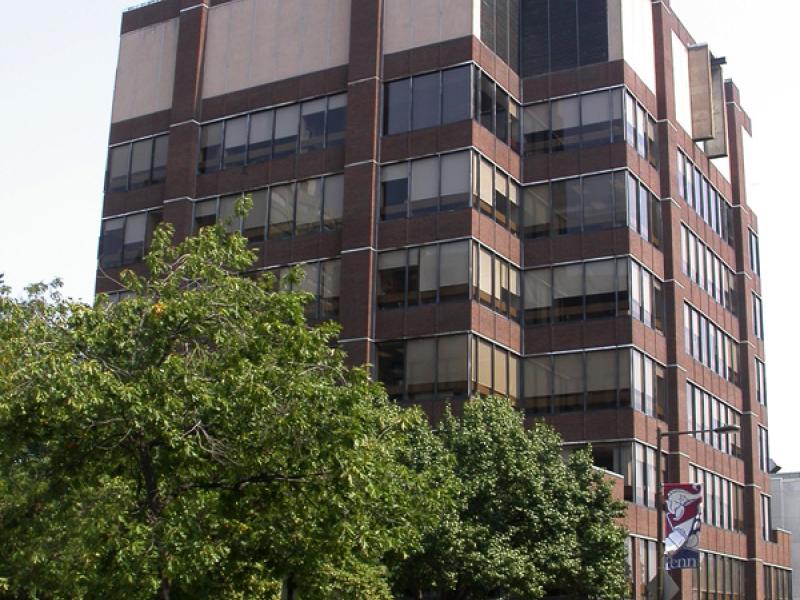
57 63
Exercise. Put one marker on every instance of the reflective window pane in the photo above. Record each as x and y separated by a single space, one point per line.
456 94
235 142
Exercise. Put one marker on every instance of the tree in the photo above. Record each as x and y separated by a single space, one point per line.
525 523
198 440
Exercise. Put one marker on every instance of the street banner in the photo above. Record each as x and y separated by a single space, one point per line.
683 510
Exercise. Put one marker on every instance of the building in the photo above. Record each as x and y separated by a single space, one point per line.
786 509
544 199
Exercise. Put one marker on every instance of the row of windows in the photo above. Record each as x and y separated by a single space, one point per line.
761 382
269 134
591 203
500 29
124 240
718 578
777 583
439 368
763 449
441 273
637 465
603 379
281 211
322 280
707 412
755 252
591 290
590 119
563 34
137 164
758 317
708 344
705 199
707 270
723 500
496 110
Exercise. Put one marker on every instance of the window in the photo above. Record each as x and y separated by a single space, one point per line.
309 206
312 125
763 450
287 121
136 165
334 202
425 100
255 222
456 95
566 123
455 181
210 147
235 152
394 191
321 280
698 330
706 201
260 147
766 518
707 270
336 120
755 253
281 211
123 240
500 29
391 368
708 412
758 317
761 382
424 186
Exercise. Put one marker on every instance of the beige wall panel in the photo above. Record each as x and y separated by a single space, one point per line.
145 71
413 23
614 30
682 85
253 42
638 43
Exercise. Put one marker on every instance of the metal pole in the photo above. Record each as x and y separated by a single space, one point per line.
660 524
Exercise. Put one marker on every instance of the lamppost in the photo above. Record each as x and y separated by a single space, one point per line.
724 430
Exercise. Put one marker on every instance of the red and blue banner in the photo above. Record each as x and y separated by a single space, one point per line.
683 511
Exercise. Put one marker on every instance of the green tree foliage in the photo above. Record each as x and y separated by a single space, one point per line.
526 524
199 440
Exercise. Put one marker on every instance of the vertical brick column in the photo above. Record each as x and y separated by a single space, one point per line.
184 129
359 229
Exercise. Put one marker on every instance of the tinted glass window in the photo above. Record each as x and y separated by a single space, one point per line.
397 112
336 120
535 37
286 130
309 206
256 220
392 368
537 211
113 237
456 95
141 160
563 35
568 382
487 102
593 31
537 128
160 147
118 169
595 118
566 124
598 202
501 115
281 212
312 125
210 147
454 271
455 180
424 186
334 201
426 94
235 142
260 147
394 191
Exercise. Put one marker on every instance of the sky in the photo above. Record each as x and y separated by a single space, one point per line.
57 66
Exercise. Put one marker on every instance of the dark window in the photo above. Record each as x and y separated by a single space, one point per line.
397 112
336 120
456 94
593 31
312 125
501 198
538 382
119 167
487 102
160 149
538 296
595 119
535 37
563 35
566 206
598 202
452 376
210 147
260 147
287 122
501 115
537 128
235 142
566 124
454 271
425 103
255 222
394 191
141 162
135 236
111 241
392 368
488 22
421 370
330 289
568 382
205 214
536 211
601 379
501 30
514 127
391 279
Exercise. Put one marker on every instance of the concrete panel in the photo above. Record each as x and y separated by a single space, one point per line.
414 23
717 147
614 30
253 42
145 71
682 85
700 85
638 41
